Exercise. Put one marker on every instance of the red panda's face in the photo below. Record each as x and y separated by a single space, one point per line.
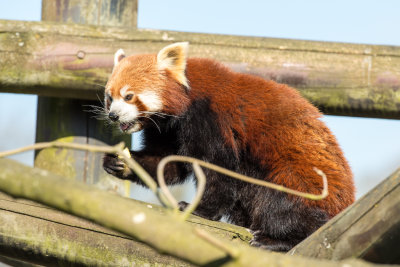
133 92
138 86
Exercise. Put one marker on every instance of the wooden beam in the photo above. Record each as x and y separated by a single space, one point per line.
41 235
159 228
74 61
369 229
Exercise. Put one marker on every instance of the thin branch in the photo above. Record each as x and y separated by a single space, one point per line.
201 186
37 146
165 196
117 149
194 204
163 186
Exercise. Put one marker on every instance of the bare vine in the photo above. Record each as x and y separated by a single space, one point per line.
165 196
202 180
117 149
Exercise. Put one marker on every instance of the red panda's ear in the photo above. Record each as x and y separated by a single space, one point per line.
118 56
173 58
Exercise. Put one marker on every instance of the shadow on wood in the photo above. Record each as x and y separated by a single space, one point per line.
369 229
160 229
39 234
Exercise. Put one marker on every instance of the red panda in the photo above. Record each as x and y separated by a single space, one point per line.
200 108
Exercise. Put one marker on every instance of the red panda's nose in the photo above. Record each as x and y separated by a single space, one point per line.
113 116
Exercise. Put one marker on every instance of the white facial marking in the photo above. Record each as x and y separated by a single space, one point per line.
106 93
151 100
126 112
123 90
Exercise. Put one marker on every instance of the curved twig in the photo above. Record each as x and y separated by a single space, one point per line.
165 196
201 186
201 177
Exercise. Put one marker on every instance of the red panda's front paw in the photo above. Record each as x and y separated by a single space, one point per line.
114 165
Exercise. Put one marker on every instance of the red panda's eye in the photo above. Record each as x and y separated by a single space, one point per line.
128 97
109 98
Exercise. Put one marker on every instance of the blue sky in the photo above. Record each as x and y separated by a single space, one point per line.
372 146
367 21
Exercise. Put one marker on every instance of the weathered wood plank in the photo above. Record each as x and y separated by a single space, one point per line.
158 228
75 60
369 229
120 13
41 235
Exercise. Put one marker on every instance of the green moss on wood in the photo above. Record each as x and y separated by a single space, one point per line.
58 160
164 232
361 80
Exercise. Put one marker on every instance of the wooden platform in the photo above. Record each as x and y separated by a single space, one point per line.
368 230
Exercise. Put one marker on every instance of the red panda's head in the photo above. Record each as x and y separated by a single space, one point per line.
143 85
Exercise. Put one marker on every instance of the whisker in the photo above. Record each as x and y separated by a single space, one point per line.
158 127
97 84
101 118
160 114
147 117
94 108
98 111
101 101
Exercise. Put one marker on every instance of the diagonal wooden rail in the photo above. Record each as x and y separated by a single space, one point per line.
369 229
69 60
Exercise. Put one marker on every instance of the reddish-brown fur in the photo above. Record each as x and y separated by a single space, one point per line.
292 140
262 127
141 73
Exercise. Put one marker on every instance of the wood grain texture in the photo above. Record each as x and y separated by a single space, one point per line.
158 228
42 235
120 13
369 229
69 60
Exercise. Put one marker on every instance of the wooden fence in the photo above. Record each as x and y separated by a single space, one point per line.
67 57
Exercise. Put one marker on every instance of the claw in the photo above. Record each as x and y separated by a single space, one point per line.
113 165
110 171
255 232
256 236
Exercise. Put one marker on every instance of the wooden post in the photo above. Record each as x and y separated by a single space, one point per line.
66 118
120 13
